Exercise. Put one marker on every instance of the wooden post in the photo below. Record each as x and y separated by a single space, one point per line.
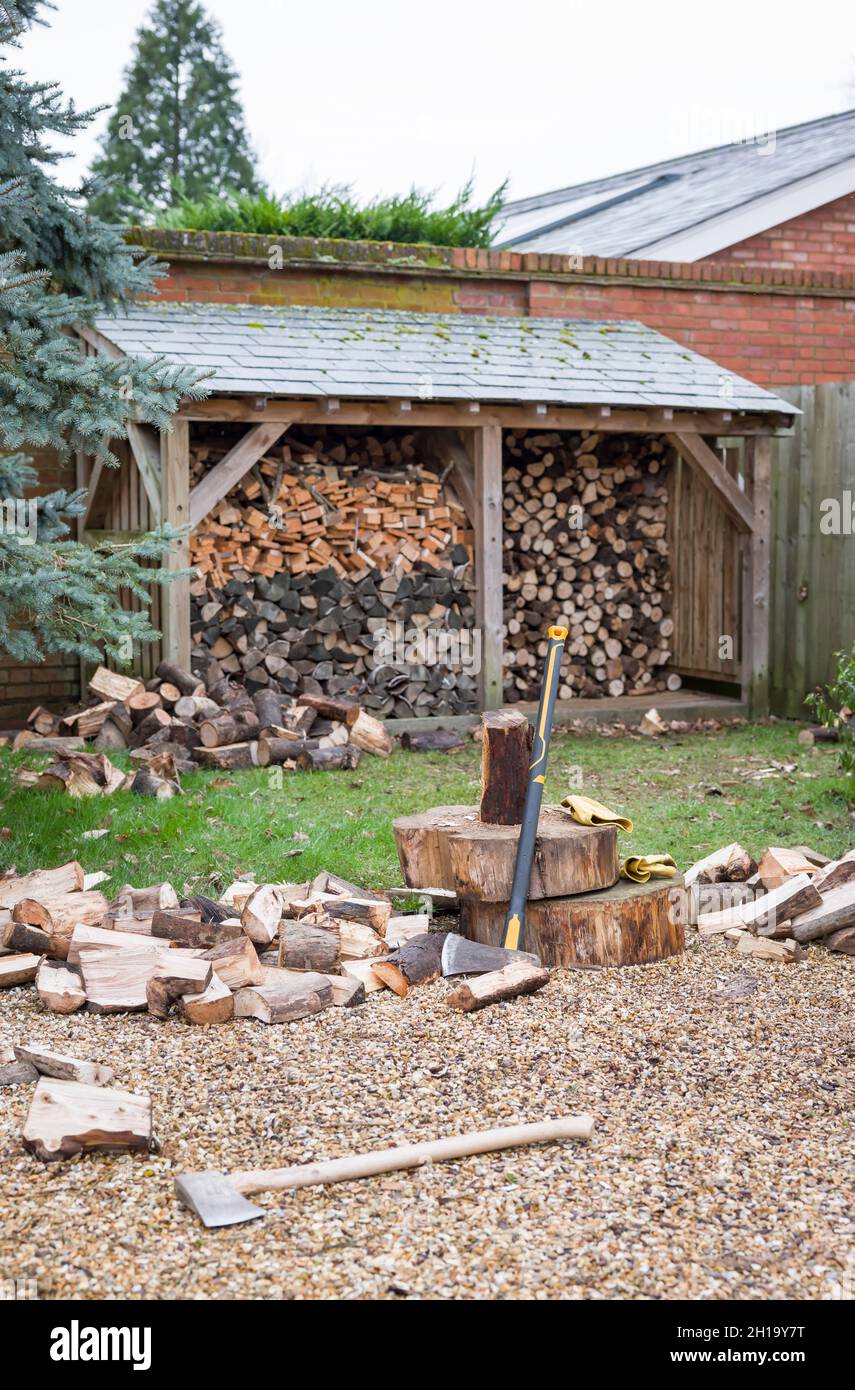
175 510
487 459
755 579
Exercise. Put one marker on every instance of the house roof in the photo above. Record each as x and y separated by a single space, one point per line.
686 208
361 354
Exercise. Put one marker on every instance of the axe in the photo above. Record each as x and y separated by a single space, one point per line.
219 1200
512 938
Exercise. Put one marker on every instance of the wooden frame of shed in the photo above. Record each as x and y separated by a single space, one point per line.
466 437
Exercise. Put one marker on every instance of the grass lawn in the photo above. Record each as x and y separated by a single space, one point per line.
686 794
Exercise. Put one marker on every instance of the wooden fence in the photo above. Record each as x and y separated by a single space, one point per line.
813 573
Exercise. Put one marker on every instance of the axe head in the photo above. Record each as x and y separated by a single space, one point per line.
460 956
215 1199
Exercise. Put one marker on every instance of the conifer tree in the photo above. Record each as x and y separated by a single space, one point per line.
58 268
178 127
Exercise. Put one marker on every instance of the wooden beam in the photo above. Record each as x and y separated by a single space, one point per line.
755 580
709 469
487 459
236 464
459 416
175 510
449 453
145 448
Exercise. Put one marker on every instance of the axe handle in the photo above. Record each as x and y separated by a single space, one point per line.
412 1155
512 936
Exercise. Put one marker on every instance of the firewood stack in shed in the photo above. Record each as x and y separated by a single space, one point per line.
322 546
585 519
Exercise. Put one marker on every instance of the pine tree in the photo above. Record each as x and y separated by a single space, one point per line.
178 126
58 267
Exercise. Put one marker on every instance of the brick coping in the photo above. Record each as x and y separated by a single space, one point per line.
318 253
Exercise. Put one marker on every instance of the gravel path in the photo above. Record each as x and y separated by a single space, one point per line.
718 1168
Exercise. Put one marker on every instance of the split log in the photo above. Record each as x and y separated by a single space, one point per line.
420 959
32 742
365 972
187 683
402 929
516 978
110 738
843 940
346 992
763 948
450 847
177 975
236 963
215 1005
41 884
116 980
778 864
262 914
432 741
110 685
836 873
284 996
357 941
834 911
157 721
110 940
392 976
233 758
372 912
506 745
60 987
208 909
328 759
42 721
26 940
67 1118
88 721
268 708
143 902
147 783
629 924
188 929
345 711
370 735
18 970
64 1068
325 882
731 864
305 946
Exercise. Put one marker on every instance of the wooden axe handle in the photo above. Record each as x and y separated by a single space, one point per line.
412 1155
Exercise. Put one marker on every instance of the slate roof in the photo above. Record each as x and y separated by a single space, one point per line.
621 215
359 354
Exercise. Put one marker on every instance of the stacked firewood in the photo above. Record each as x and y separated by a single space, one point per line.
322 547
585 520
270 951
176 723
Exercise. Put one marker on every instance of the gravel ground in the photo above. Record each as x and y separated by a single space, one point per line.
717 1169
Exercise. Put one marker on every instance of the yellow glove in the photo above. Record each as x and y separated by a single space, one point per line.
588 812
642 867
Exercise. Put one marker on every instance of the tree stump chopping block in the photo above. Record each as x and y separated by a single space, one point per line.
451 847
629 924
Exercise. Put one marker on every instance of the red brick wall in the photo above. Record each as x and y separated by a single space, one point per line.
56 681
777 326
823 239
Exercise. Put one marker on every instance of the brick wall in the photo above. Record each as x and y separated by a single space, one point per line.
778 326
823 239
56 681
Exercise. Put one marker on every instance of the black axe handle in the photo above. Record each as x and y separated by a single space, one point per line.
512 937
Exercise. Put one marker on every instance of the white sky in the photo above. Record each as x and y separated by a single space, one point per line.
386 93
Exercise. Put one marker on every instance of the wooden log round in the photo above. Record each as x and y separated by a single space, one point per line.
629 924
450 847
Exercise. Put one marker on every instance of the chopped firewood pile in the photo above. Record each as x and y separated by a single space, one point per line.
175 723
272 951
773 909
317 550
586 545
